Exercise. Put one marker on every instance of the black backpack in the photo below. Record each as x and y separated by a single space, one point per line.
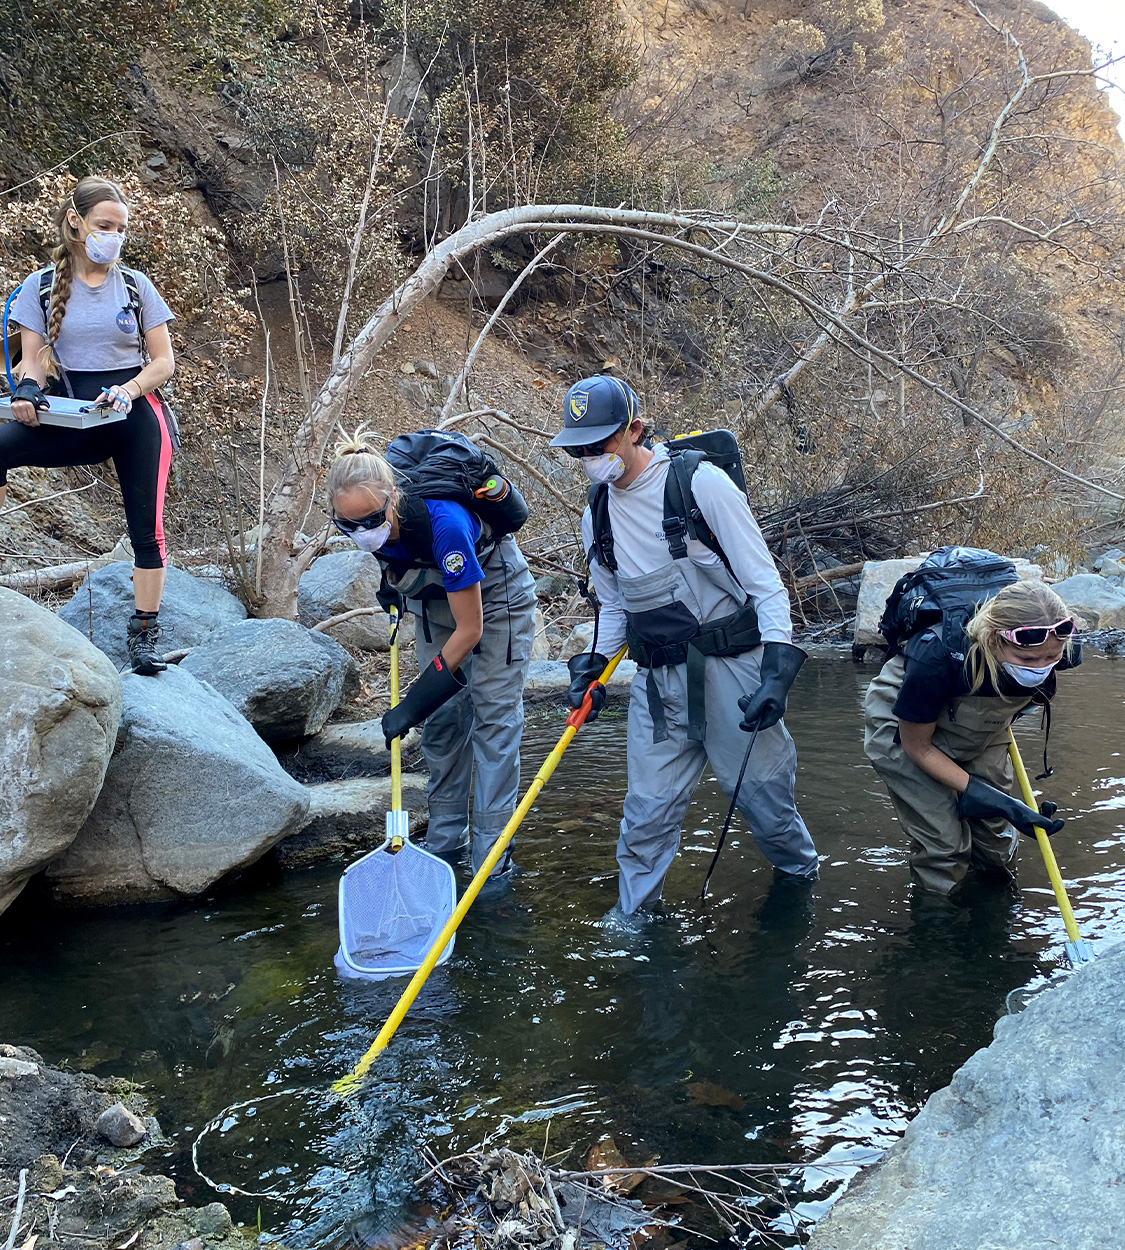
683 518
945 590
442 464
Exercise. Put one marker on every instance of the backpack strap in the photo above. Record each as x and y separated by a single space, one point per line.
683 518
602 548
134 289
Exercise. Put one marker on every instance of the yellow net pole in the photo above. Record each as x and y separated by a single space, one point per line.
396 743
1044 842
574 722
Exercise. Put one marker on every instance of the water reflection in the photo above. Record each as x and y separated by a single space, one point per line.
770 1023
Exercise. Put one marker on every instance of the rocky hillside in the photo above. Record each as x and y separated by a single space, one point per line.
862 115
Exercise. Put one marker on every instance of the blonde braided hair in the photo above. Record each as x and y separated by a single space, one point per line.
87 194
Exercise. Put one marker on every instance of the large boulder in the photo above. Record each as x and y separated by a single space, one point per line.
1097 600
342 582
192 793
348 817
1022 1150
191 611
878 580
283 678
60 701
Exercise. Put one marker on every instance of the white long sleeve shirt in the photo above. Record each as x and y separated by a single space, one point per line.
636 516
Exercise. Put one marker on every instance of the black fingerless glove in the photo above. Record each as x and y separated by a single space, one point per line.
436 684
585 668
32 392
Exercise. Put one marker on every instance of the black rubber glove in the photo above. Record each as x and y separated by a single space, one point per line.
436 684
781 662
389 596
584 669
981 799
32 392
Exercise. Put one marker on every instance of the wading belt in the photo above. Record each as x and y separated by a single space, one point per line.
732 635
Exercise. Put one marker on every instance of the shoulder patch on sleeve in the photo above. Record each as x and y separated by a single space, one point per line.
454 562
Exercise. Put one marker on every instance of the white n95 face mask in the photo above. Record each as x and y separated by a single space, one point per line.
607 467
1028 677
103 247
372 540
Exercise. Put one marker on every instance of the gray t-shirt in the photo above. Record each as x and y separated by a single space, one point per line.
99 329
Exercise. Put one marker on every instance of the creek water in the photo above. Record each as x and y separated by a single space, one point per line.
770 1024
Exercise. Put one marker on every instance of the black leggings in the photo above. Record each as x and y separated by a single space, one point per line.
140 448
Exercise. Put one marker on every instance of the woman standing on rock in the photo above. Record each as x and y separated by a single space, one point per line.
94 330
475 600
936 731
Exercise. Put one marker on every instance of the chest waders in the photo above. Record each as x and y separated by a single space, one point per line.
683 612
974 731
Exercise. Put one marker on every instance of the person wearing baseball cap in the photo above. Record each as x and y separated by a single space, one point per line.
706 617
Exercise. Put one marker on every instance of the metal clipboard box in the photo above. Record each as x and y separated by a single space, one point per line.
71 414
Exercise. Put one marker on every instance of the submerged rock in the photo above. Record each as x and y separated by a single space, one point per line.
191 611
282 677
60 702
1023 1149
192 793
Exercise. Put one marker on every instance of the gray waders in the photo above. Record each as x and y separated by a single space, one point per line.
479 730
684 715
973 731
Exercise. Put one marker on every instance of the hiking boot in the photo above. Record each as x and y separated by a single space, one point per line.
144 637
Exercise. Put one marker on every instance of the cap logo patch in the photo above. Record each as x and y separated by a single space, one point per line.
579 402
454 563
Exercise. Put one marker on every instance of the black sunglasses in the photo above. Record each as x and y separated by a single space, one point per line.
591 449
369 522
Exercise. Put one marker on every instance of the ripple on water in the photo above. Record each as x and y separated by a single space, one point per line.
825 1016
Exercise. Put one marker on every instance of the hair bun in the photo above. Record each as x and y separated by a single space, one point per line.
356 444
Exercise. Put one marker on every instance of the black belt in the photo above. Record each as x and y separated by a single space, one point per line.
730 636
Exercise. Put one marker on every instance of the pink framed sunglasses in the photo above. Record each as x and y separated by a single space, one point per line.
1035 635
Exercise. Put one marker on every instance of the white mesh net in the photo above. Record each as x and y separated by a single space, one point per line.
392 908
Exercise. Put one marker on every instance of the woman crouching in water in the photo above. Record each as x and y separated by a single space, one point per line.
936 731
475 602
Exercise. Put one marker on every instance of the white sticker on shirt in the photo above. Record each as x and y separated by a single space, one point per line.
454 563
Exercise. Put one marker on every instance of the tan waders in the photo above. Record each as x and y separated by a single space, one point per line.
973 731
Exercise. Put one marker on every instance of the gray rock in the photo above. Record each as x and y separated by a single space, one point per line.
60 702
414 392
120 1127
348 816
283 678
339 583
1022 1150
1094 598
1114 553
192 610
548 678
1112 569
878 580
426 369
541 646
13 1069
213 1220
578 640
192 793
552 586
354 749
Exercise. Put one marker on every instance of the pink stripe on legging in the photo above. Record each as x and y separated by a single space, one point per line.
162 472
